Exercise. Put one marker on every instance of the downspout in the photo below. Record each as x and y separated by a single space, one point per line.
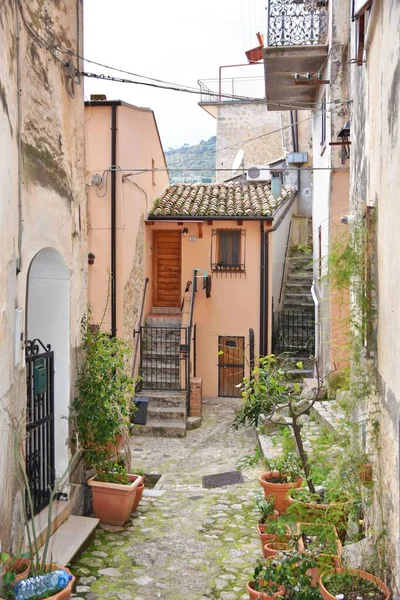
295 139
19 165
314 294
262 290
266 275
113 220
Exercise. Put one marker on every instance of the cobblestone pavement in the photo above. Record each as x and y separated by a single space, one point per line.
184 541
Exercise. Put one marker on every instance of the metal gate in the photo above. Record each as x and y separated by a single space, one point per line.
40 462
294 332
230 365
164 358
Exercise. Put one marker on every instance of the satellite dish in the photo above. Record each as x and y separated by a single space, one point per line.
238 161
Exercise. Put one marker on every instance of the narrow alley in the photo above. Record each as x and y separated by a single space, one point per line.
184 541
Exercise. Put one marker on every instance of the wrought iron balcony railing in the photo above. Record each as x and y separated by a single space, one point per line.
297 22
232 89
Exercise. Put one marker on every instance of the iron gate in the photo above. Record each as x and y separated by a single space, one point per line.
294 332
230 365
40 460
164 358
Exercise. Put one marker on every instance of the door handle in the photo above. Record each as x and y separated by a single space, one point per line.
167 268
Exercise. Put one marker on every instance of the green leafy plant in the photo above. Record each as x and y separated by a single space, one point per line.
104 399
265 506
349 585
290 570
289 466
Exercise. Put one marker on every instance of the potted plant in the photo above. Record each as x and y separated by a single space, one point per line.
290 574
19 567
261 587
350 584
273 531
283 475
102 409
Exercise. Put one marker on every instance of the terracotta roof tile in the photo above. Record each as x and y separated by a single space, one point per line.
250 199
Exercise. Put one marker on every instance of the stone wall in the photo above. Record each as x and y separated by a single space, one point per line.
238 123
41 135
375 181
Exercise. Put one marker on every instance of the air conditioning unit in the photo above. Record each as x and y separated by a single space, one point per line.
257 173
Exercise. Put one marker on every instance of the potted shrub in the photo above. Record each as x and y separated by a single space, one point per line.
101 411
261 587
284 475
350 584
17 565
290 574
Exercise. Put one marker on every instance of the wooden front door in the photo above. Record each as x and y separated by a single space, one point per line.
230 365
167 268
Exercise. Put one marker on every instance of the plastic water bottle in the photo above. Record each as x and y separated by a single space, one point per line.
34 586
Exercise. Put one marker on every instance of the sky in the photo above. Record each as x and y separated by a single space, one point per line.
179 41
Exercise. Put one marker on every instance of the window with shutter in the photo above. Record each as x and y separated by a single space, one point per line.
228 252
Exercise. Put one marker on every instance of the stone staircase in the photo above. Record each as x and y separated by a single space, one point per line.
161 374
298 307
166 414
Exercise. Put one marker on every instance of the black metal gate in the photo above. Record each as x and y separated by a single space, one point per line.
230 365
40 461
164 358
294 332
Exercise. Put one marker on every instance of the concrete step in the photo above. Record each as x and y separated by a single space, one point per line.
161 363
306 278
163 321
302 296
166 413
298 286
165 310
159 428
66 542
296 303
162 385
161 398
61 510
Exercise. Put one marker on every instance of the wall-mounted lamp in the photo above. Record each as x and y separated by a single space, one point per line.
91 258
185 231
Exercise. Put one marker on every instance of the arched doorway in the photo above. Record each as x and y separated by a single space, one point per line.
47 320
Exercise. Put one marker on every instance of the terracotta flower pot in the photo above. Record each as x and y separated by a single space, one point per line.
266 538
254 595
378 582
65 594
139 493
113 502
16 564
336 513
272 548
279 490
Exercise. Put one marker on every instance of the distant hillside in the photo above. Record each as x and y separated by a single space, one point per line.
199 156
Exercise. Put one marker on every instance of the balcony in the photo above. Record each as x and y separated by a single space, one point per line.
230 90
297 43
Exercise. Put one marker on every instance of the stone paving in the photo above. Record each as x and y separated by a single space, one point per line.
184 541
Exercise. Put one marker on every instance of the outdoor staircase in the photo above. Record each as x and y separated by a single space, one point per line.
297 317
161 374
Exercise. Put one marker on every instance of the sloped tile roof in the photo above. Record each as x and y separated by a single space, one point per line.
250 199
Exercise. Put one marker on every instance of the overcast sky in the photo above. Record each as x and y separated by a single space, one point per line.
179 41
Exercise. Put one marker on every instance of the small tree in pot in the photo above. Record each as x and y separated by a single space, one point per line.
102 408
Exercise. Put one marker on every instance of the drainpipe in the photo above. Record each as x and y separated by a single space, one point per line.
113 220
262 290
18 49
314 295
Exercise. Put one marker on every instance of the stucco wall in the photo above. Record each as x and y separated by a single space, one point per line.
375 182
330 194
53 207
138 144
237 123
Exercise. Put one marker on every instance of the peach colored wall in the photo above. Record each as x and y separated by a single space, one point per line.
235 301
137 145
339 300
